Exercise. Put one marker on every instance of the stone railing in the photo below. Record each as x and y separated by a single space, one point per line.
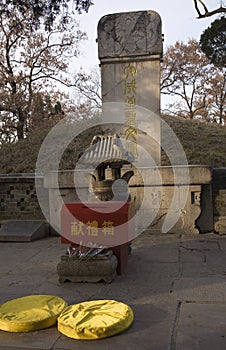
196 215
219 199
205 209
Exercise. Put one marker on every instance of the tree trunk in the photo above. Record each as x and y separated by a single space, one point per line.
21 125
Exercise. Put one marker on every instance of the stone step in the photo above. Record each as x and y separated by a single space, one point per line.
22 231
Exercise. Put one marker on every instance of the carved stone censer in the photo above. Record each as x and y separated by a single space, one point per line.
107 152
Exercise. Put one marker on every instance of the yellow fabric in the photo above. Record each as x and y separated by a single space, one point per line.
95 319
30 313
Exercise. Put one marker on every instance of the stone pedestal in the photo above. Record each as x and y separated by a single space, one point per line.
179 204
102 267
195 214
220 225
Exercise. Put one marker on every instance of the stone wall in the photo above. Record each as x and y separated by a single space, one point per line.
18 198
219 199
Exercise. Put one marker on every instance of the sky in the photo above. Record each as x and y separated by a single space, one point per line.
179 22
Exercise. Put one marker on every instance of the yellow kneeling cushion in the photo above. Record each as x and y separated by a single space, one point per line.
30 313
95 319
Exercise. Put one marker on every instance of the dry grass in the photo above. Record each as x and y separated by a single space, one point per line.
203 143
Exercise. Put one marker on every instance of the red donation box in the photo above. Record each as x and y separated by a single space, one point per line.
100 224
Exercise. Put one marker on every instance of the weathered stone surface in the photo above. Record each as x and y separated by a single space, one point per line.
130 34
220 225
29 340
130 49
99 268
175 284
183 212
172 175
23 231
201 326
205 221
18 197
219 200
160 185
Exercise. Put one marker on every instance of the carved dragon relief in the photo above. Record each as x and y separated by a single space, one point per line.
129 34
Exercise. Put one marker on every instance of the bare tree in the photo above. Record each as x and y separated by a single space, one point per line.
184 74
88 88
196 87
203 12
217 95
31 64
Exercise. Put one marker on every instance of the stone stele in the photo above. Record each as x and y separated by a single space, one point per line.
130 51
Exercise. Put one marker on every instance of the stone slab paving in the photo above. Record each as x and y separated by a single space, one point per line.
175 284
201 326
44 340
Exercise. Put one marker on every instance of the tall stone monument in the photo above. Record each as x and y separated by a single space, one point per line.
166 199
130 51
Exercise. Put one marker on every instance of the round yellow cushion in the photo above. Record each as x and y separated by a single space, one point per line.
30 313
95 319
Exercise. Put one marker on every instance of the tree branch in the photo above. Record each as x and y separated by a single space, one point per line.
207 13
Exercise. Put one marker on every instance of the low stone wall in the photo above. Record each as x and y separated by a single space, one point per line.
219 199
18 198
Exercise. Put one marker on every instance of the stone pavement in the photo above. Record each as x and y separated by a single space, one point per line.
175 284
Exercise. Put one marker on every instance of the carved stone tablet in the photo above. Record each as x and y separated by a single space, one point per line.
130 34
